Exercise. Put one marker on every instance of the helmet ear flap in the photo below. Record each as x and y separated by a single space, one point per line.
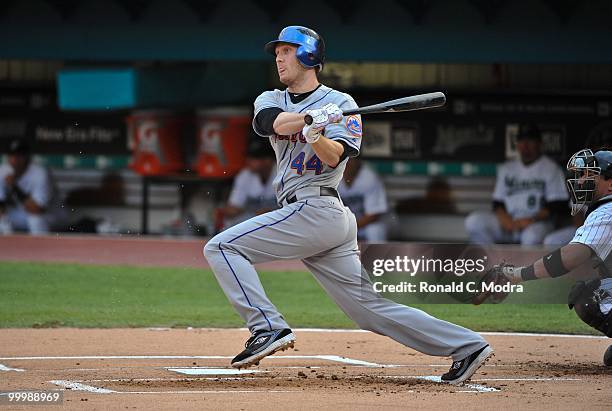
306 58
301 55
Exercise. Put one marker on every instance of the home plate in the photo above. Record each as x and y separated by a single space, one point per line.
211 371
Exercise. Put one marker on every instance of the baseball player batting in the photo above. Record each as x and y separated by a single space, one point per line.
314 225
590 186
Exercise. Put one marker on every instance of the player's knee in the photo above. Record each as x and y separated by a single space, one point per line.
532 237
211 248
474 222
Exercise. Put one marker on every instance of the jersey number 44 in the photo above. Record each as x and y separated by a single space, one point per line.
313 164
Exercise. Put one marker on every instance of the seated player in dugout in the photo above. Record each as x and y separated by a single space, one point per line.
28 196
364 193
590 185
252 192
529 196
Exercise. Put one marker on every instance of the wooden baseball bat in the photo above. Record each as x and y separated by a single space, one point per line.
418 102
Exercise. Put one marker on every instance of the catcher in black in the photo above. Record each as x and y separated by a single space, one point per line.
590 186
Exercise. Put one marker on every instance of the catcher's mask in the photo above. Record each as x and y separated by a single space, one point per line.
583 171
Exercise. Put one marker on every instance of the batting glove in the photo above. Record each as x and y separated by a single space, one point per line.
312 132
333 112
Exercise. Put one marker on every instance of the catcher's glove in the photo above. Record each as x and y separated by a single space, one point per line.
500 274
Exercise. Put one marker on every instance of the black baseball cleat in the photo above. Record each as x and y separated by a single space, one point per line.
463 370
261 344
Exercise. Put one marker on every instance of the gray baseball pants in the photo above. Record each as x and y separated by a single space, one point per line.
323 234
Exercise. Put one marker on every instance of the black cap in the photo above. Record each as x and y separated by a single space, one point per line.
19 146
260 148
529 131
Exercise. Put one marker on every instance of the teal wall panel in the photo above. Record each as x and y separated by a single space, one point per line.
158 87
97 89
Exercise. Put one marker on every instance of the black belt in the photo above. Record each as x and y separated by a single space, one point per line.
325 191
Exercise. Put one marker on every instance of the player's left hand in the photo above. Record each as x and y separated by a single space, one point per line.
334 113
312 132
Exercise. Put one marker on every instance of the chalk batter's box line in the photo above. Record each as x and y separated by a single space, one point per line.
186 378
79 386
76 386
509 379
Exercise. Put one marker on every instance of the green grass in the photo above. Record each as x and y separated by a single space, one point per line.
47 295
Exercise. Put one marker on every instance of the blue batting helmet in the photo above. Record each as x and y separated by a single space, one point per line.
311 47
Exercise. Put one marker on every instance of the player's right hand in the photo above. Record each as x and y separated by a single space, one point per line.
320 119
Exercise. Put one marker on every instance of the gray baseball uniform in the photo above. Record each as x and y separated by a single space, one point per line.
322 232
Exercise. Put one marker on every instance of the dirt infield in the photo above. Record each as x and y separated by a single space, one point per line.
126 368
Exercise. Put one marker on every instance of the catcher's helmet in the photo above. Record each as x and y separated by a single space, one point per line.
311 47
585 166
